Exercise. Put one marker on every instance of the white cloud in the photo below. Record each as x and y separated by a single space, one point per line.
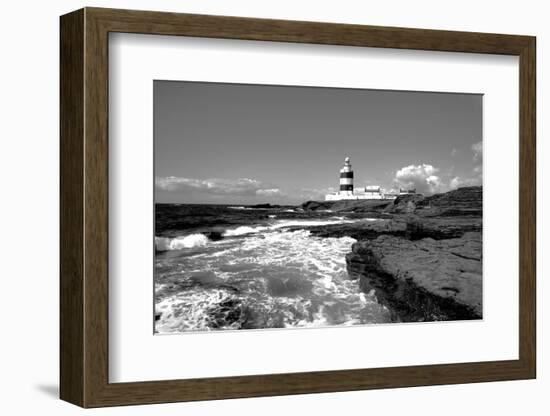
477 148
458 182
216 186
454 152
422 177
476 177
270 192
427 179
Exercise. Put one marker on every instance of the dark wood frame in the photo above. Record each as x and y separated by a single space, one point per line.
84 209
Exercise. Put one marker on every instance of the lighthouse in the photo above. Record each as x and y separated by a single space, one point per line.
346 178
347 190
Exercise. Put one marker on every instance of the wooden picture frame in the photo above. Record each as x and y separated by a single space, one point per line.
84 207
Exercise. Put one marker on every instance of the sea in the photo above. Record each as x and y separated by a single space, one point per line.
227 267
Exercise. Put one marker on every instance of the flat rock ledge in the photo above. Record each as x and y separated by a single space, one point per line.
424 279
411 227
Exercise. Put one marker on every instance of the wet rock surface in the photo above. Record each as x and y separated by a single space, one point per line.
422 280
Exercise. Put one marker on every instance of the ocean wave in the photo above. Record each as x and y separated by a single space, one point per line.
309 223
279 279
178 243
192 310
198 240
242 230
250 208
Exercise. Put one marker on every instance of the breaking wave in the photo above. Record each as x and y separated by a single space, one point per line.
179 243
242 230
197 240
276 279
219 267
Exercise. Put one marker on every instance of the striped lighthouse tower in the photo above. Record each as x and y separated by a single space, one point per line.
346 178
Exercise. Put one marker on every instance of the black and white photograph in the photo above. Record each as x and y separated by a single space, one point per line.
280 207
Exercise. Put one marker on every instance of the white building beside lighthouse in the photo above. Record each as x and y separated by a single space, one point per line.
347 190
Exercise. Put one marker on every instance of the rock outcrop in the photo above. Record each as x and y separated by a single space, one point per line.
361 230
365 205
422 256
410 227
425 263
317 205
264 206
422 280
460 202
404 204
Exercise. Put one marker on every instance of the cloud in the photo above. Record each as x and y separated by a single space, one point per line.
428 179
458 182
216 186
476 177
454 152
270 192
477 148
422 177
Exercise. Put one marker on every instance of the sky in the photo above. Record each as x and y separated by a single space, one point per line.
224 143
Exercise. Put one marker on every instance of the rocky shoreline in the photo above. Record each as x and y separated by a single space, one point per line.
422 258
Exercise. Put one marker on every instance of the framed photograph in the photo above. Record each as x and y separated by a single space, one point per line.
255 207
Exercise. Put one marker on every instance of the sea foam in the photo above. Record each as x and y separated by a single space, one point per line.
274 279
178 243
198 240
243 230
